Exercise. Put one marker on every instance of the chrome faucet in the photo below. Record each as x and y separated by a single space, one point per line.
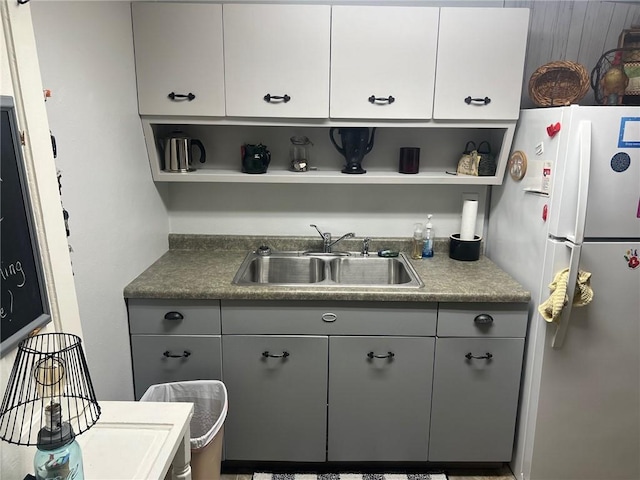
326 239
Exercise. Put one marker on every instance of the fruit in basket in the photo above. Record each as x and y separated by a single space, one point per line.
614 82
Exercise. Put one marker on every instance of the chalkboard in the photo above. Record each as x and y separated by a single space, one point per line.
24 302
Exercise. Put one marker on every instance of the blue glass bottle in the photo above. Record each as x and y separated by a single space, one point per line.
58 456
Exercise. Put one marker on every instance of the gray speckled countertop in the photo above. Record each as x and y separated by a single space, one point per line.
203 266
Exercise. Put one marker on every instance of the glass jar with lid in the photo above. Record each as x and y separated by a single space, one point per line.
299 153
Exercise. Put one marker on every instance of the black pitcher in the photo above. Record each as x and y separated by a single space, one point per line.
356 143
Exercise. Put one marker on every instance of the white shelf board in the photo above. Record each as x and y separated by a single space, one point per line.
318 176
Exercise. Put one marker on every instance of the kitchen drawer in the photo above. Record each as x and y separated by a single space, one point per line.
328 318
173 358
482 320
174 317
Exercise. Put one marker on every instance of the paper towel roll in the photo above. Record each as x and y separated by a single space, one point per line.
468 226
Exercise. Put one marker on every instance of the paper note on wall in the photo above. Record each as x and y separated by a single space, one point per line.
538 179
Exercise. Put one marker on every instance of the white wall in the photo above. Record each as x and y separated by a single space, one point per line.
366 210
117 218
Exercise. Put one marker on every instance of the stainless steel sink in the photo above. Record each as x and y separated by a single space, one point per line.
276 269
316 270
370 271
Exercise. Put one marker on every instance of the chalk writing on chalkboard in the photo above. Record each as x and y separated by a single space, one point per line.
24 303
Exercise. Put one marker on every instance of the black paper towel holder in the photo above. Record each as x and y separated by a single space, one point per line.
464 250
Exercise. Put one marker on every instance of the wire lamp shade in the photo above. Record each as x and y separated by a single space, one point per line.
49 389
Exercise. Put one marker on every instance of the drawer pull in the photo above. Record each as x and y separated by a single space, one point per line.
483 319
268 97
173 316
477 101
181 96
266 354
487 356
329 317
389 100
389 355
185 354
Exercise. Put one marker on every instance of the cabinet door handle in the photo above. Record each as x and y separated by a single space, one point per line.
173 316
389 99
477 101
181 96
329 317
184 354
266 354
487 356
268 97
483 319
389 355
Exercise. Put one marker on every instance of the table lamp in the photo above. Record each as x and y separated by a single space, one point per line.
49 400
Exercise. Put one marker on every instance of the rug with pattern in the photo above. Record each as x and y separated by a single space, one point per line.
348 476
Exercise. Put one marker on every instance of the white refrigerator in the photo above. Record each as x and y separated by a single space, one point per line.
577 207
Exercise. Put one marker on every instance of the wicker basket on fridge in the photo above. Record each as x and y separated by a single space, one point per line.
558 83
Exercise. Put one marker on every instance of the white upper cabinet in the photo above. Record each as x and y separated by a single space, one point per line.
383 62
481 54
179 59
277 60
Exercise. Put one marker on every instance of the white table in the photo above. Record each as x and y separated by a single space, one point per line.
138 440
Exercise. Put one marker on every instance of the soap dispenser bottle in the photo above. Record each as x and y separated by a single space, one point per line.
417 242
427 247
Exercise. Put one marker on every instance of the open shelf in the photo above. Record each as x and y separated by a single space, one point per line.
440 146
317 176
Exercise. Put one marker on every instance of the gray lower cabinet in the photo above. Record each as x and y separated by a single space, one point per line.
284 362
476 382
174 341
344 381
379 398
277 397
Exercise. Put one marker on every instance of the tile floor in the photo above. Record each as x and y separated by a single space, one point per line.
503 473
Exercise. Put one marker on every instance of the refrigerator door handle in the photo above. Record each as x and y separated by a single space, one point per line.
565 316
584 167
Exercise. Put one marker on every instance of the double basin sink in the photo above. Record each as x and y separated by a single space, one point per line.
297 269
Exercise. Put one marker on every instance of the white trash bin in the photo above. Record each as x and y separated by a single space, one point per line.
210 404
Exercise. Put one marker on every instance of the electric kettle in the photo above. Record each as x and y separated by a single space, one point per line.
176 150
356 143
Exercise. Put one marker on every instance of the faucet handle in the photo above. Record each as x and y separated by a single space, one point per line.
326 236
365 246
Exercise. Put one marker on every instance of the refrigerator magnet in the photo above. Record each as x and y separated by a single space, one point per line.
632 258
553 129
620 162
517 165
629 136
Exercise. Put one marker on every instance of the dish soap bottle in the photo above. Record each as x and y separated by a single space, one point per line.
427 248
417 242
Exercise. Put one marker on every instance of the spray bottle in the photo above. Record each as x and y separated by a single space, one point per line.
427 248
